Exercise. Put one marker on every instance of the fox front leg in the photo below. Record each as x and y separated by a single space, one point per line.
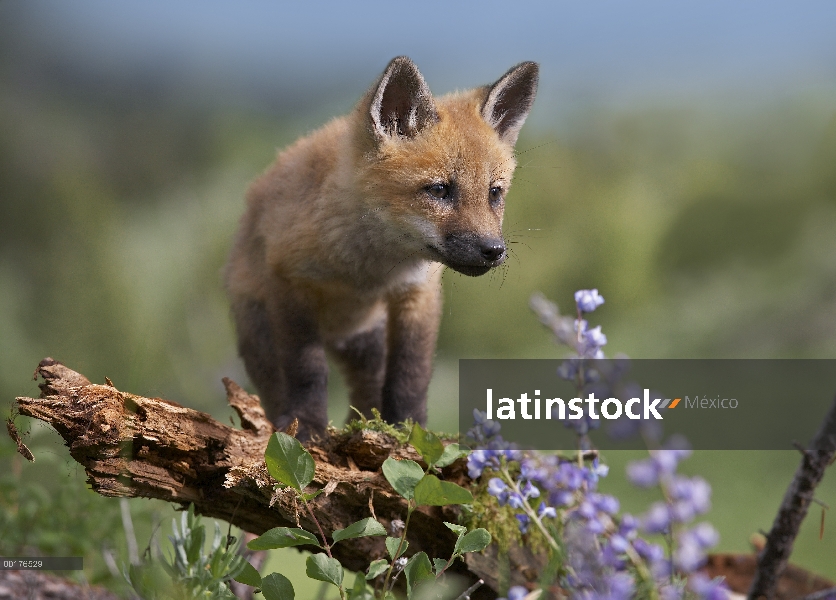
363 361
285 359
414 318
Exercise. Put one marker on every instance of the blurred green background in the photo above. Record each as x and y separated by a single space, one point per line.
704 210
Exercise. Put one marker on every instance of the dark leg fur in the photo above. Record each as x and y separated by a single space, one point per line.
412 331
405 389
285 359
363 362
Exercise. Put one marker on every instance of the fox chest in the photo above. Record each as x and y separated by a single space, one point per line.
344 308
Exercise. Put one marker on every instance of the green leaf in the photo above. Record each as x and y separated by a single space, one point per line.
288 462
362 528
283 537
323 568
475 541
277 587
311 496
452 452
426 443
403 476
458 529
431 491
378 567
417 569
249 576
360 591
195 544
439 564
392 546
151 580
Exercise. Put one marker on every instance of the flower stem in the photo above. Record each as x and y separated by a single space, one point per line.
528 510
319 527
386 581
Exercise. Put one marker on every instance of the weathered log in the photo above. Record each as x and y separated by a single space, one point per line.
131 446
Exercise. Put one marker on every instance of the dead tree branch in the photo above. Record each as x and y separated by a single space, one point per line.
131 446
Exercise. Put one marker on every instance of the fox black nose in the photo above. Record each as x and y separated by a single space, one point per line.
493 250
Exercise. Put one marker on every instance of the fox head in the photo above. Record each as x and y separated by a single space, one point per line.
437 170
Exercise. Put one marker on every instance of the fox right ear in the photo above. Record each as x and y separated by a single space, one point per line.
509 100
401 104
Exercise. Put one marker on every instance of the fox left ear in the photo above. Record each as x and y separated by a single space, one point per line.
509 100
401 102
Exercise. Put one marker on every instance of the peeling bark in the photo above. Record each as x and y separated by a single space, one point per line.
133 446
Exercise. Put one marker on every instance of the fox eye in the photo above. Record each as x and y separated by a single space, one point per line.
439 190
495 195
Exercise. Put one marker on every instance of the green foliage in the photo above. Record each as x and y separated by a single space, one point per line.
427 444
403 475
277 587
452 452
362 528
192 570
396 546
291 464
378 567
431 491
324 568
249 576
399 432
475 541
360 591
283 537
288 462
152 582
417 570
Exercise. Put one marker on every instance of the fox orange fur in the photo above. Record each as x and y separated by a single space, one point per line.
338 246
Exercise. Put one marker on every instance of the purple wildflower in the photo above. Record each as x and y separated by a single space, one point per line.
691 545
517 592
708 589
657 519
478 460
643 473
544 511
524 522
498 489
588 300
652 553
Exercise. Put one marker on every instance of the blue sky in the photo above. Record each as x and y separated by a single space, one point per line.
606 50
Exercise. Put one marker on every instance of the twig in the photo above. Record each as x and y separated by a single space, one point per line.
815 459
465 595
319 528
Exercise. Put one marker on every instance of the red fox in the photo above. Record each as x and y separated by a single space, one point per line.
339 244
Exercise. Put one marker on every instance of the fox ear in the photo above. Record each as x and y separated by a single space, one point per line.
509 100
401 104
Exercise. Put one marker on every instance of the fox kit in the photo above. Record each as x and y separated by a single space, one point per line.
339 244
